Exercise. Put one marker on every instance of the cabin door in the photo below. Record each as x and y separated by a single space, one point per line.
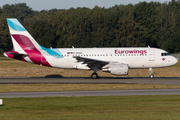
151 55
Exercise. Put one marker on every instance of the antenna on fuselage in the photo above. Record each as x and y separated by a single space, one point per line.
73 47
149 46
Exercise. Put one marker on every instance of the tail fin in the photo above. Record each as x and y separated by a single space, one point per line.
21 39
26 48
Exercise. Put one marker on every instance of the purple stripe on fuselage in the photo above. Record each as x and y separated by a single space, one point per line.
33 53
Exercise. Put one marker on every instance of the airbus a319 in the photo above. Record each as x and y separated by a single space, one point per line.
117 61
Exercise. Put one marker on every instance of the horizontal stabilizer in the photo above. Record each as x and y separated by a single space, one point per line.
15 55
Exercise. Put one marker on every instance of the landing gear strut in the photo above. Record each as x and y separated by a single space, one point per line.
94 76
151 73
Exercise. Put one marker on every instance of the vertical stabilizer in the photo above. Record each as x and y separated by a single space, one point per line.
21 38
25 46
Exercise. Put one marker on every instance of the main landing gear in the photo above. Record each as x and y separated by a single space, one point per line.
151 73
94 76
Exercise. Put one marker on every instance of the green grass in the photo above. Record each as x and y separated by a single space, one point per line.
162 107
5 59
79 87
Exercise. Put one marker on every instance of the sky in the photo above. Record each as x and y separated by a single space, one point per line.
66 4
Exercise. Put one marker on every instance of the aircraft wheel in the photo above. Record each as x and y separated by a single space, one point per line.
94 76
151 76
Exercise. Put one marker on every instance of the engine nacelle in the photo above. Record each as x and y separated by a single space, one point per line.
117 69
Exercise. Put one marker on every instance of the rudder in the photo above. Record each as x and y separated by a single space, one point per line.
21 38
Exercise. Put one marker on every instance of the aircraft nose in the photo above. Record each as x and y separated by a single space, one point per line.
174 61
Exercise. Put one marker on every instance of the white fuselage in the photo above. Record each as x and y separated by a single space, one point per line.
139 57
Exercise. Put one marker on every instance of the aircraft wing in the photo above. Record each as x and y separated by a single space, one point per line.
90 61
96 62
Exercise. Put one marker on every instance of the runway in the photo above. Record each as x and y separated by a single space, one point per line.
93 93
113 80
119 80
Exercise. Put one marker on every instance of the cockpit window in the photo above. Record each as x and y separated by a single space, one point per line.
165 54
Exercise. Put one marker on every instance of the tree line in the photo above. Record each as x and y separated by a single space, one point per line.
154 24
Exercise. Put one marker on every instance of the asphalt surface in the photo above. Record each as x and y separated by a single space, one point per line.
119 80
93 93
115 80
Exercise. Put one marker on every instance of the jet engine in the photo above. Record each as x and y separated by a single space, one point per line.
117 69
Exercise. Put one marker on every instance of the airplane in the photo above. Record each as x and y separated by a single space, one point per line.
116 61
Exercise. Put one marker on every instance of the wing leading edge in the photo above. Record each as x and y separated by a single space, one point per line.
91 62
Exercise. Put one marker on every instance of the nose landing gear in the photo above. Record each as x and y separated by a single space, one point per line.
151 73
